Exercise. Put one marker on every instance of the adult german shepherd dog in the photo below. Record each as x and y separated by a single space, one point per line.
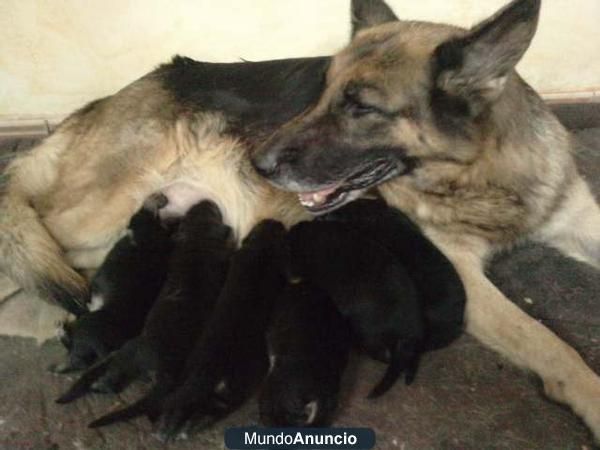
438 119
434 116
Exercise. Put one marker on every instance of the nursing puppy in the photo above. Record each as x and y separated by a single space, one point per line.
309 343
371 289
230 358
122 292
437 282
196 272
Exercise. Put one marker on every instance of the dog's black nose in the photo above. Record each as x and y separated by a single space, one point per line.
269 164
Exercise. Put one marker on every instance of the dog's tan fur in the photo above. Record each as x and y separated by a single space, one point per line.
70 198
510 178
519 182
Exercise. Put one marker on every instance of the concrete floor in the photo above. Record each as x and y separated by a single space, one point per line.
465 397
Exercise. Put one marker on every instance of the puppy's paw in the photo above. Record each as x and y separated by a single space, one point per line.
181 418
67 367
173 422
108 376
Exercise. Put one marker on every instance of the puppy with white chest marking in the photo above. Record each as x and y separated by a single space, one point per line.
230 358
196 271
123 291
309 343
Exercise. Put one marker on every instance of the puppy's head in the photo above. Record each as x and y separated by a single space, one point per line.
145 227
269 237
325 252
402 95
203 221
265 234
205 212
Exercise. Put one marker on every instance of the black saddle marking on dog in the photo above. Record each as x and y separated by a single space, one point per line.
257 96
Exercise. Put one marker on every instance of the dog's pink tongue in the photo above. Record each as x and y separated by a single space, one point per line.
311 199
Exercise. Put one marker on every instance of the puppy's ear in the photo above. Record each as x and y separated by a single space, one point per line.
368 13
475 67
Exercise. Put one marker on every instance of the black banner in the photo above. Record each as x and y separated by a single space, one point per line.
256 438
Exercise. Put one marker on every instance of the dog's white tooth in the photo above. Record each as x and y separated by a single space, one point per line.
318 198
310 200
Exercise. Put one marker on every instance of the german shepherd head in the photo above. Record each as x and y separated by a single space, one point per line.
402 95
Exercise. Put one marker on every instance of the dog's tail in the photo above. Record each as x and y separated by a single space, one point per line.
148 405
404 359
28 253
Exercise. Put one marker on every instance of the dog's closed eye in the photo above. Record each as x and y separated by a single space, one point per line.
356 106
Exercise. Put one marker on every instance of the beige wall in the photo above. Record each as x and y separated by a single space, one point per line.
57 54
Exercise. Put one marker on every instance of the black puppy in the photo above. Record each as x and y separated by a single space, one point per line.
309 343
196 273
440 288
230 358
370 288
122 292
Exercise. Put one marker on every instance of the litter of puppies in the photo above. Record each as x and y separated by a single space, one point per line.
280 315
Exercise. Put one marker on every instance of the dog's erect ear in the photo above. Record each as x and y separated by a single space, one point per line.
476 66
368 13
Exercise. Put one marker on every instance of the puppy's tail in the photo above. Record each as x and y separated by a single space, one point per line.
404 359
148 405
28 253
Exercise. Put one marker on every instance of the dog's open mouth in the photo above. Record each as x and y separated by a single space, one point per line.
332 197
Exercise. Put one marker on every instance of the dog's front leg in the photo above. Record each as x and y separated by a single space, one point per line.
500 324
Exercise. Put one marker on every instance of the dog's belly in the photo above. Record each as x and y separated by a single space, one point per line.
242 202
187 170
182 196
